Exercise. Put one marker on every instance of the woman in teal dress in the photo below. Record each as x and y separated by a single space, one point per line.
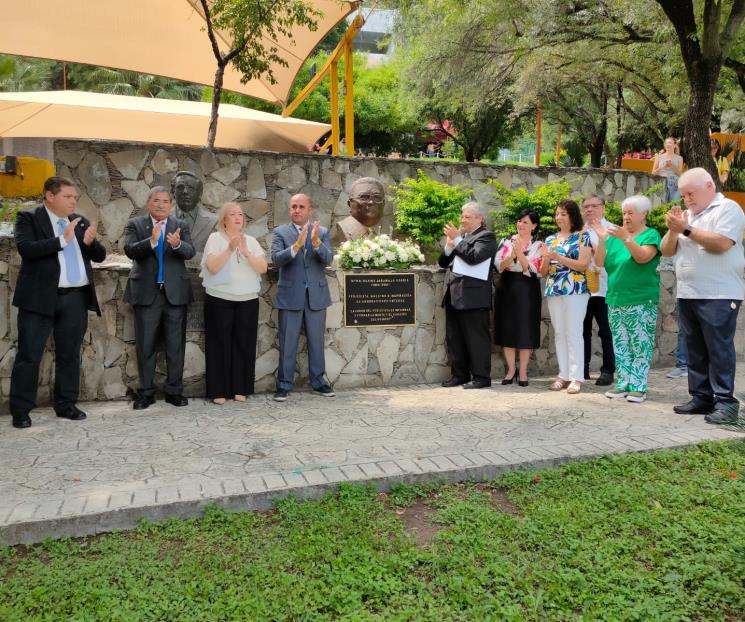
630 255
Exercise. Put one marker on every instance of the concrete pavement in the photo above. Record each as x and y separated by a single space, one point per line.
75 478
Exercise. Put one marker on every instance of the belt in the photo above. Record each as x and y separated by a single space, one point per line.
161 285
61 291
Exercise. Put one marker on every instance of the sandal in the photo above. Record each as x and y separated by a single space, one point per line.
558 385
219 401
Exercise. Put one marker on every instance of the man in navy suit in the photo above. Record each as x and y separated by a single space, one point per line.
159 289
301 250
54 292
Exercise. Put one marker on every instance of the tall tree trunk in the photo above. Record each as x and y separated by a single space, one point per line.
216 94
598 145
703 79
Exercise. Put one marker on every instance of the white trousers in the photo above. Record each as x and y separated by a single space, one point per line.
567 315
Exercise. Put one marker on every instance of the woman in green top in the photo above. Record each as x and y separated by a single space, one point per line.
630 255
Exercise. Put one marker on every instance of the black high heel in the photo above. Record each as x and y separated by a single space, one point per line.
506 381
522 383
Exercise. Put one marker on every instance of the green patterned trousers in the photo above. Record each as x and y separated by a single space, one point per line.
633 330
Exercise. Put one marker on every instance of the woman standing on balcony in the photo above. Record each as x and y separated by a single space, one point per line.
669 164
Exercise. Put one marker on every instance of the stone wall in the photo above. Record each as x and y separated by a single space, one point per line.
354 356
114 179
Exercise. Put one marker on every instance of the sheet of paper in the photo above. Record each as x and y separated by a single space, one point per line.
477 271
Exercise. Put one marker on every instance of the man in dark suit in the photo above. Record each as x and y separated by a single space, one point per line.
468 258
301 250
54 292
159 288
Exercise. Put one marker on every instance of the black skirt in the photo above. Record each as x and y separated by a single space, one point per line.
517 311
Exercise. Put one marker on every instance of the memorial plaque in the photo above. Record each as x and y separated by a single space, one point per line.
379 299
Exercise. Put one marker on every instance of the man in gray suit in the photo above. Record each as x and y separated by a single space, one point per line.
301 250
159 288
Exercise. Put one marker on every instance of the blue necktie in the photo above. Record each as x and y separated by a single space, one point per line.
72 269
161 248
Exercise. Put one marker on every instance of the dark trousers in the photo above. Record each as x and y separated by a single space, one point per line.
598 310
68 324
160 317
230 328
709 327
469 343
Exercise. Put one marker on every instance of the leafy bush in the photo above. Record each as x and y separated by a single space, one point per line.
543 200
424 206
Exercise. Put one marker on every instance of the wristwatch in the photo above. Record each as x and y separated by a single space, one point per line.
687 231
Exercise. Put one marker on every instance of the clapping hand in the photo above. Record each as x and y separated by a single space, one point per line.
300 242
235 241
70 229
155 235
243 246
602 232
618 232
676 219
174 239
315 238
90 234
451 232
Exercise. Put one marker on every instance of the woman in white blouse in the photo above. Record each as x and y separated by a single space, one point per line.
232 265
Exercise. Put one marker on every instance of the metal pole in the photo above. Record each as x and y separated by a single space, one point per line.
334 76
538 124
348 99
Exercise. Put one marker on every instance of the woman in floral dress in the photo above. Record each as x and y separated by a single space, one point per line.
517 299
564 263
630 255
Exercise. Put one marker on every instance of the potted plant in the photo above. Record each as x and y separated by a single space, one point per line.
735 186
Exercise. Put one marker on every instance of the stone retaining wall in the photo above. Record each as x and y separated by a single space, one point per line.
114 179
354 356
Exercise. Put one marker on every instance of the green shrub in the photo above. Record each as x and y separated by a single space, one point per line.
543 200
423 207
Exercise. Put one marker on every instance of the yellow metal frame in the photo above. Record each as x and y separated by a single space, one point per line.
332 69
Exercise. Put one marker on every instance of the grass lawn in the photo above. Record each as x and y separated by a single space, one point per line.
651 537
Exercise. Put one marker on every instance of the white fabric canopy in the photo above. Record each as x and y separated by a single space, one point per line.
77 114
160 37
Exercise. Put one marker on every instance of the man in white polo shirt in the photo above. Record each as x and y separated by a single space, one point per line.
706 240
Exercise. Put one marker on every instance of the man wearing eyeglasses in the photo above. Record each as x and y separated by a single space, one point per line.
593 209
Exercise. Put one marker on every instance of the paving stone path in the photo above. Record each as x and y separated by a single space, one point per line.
68 478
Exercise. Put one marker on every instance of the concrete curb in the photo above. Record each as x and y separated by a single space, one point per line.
452 468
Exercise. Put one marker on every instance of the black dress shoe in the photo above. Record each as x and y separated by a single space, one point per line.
522 383
454 382
694 407
73 413
143 401
477 384
722 417
176 400
506 381
21 421
604 380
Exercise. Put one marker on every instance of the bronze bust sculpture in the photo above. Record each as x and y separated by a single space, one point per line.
366 201
186 189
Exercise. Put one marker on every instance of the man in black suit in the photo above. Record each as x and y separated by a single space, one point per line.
159 288
54 292
468 258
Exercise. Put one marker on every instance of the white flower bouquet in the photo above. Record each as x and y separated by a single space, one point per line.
378 253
